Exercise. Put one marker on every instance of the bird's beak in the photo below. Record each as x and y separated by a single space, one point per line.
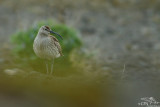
56 34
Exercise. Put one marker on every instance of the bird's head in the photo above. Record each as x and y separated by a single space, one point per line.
45 30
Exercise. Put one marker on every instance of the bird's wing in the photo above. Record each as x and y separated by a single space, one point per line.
56 43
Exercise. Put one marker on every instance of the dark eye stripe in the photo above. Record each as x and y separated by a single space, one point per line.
46 29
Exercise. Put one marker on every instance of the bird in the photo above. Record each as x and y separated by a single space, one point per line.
46 46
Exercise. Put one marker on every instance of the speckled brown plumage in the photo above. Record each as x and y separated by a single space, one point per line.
56 43
47 46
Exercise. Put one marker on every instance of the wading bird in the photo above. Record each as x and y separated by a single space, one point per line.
47 46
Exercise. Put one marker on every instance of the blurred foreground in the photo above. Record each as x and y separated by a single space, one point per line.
112 34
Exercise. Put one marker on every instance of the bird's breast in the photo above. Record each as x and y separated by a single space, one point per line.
45 48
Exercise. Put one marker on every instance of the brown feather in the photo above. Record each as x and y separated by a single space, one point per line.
57 44
47 27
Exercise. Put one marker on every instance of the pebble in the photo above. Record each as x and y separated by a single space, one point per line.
14 71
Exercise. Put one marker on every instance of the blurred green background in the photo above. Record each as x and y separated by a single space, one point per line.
111 53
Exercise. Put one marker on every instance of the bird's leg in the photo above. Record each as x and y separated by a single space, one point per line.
52 62
47 66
